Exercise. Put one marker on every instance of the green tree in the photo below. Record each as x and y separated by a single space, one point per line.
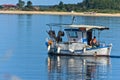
29 4
20 4
61 4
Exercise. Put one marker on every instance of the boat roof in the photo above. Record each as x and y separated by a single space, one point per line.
74 26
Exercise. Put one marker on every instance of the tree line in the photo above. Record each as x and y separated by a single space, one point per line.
101 4
90 5
21 5
109 6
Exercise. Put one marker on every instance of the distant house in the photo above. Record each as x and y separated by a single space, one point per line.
45 6
41 7
36 7
9 6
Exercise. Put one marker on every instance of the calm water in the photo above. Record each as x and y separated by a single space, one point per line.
23 54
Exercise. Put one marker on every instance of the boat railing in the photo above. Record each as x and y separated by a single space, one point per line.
70 42
102 44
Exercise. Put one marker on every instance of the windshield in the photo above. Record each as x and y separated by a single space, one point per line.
73 34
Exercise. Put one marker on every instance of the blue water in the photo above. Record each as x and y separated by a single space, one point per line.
23 54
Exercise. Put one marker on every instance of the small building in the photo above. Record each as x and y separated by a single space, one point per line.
8 6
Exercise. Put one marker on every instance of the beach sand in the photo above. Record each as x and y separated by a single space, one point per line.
61 13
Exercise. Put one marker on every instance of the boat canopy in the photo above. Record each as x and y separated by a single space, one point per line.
87 27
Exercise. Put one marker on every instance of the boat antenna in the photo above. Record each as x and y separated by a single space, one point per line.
73 19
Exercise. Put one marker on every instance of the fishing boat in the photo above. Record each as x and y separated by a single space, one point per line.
79 40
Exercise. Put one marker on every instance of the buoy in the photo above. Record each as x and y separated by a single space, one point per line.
48 48
84 49
71 50
58 50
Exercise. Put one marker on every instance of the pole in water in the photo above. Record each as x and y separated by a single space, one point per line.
73 19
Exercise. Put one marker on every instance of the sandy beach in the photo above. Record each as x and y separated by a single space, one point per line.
61 13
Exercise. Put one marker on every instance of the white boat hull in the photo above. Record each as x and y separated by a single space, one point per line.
101 51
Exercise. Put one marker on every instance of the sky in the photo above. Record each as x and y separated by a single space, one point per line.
41 2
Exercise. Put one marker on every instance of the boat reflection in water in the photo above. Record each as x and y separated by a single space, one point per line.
78 68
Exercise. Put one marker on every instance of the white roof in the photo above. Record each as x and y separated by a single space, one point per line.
88 27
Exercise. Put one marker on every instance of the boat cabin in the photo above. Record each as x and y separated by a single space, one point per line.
75 33
81 33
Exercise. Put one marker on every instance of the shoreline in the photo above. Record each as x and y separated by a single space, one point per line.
62 13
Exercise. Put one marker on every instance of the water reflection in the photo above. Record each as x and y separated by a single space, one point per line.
78 68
